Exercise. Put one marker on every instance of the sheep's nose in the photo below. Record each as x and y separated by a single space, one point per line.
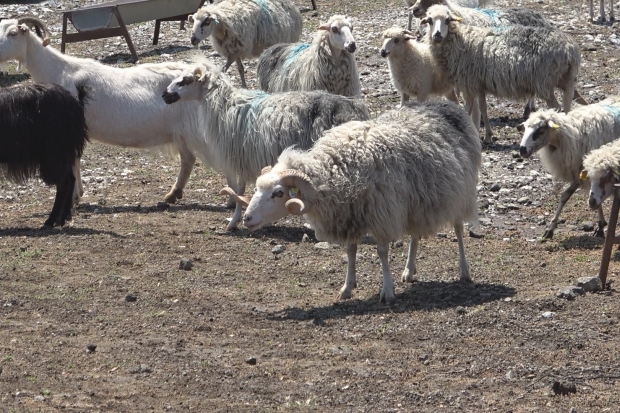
437 37
384 53
593 202
351 47
523 151
170 97
416 11
195 41
247 218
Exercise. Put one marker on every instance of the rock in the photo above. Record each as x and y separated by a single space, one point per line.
495 187
548 314
509 375
185 264
573 410
478 233
251 361
442 235
564 388
130 298
523 200
461 310
39 398
91 348
143 368
0 369
590 284
543 264
589 47
278 249
587 226
163 205
571 292
485 221
321 246
305 238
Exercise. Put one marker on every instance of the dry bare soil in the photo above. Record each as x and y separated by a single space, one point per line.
245 330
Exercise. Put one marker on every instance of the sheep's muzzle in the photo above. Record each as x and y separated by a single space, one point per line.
170 97
384 53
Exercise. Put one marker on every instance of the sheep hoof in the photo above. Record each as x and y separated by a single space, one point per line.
548 234
599 233
172 196
408 276
387 296
345 293
465 277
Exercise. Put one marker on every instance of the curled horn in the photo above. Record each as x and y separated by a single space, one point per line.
265 170
238 199
39 26
301 181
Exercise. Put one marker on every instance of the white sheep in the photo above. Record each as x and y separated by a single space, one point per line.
602 169
125 108
515 62
413 69
326 64
425 4
411 171
602 10
242 29
247 130
563 139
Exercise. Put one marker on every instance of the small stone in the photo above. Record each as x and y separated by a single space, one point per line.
564 388
589 284
442 235
397 244
485 221
130 298
587 226
91 348
461 310
144 368
495 187
278 249
321 246
543 264
523 200
573 410
571 292
251 361
548 314
186 264
23 249
305 238
509 375
39 398
478 233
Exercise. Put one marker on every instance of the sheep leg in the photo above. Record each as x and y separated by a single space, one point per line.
410 268
187 164
530 107
67 201
387 295
602 10
64 194
611 11
600 231
453 95
78 190
463 265
552 102
568 192
488 132
350 282
591 11
410 19
405 98
237 215
229 62
472 108
567 97
241 73
231 181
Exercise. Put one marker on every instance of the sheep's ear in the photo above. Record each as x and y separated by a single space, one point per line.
324 26
45 42
583 175
200 74
553 125
190 19
521 127
265 170
426 20
455 18
409 37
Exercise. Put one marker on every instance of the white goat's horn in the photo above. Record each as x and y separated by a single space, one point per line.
40 27
238 199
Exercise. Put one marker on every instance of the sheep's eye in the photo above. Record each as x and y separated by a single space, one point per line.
396 40
206 22
335 30
538 133
448 20
278 194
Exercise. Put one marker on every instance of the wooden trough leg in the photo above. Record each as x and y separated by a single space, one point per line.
610 239
156 34
126 34
64 32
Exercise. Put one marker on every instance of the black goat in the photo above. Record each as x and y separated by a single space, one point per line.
43 133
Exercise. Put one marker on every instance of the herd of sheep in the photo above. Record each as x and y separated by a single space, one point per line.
306 139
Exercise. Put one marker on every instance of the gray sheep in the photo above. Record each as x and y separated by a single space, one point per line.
247 130
242 29
515 62
411 171
326 64
563 139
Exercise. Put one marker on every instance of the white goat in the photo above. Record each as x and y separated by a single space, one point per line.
242 29
125 108
563 139
411 171
247 130
602 168
326 64
413 69
602 10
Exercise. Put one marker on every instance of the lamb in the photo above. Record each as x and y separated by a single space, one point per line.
562 140
247 130
412 171
602 168
242 29
326 64
413 69
602 10
412 4
516 62
43 133
126 108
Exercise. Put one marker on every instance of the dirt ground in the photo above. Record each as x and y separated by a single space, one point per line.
98 317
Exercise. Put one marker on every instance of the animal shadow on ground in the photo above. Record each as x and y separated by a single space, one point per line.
582 242
170 49
421 296
141 209
9 80
288 234
48 232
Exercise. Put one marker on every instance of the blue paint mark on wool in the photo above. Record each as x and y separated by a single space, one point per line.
615 110
294 53
257 100
494 16
263 5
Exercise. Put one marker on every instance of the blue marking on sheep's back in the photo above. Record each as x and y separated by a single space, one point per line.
294 53
615 110
263 5
257 100
494 16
